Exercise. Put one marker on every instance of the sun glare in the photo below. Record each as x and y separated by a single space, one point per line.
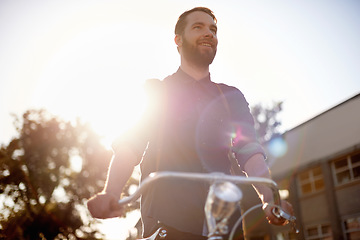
115 116
110 107
102 86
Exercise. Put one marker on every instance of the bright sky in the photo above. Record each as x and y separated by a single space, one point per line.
88 58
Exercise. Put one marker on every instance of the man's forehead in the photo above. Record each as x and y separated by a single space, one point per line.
200 17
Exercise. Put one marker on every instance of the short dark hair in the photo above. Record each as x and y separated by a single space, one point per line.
181 23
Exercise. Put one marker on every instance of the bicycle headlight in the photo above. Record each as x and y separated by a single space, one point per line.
221 203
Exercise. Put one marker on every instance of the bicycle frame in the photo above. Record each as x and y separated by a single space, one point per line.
222 198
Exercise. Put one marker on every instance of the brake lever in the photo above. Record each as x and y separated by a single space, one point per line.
279 213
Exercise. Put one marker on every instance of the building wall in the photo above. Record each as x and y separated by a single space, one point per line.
314 209
348 198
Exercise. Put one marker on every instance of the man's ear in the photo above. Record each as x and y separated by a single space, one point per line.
178 40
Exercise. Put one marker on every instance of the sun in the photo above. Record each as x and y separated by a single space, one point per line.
117 111
109 106
99 85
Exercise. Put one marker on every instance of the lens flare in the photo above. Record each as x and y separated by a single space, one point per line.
277 147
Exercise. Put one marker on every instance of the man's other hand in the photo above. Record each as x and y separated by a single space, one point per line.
272 219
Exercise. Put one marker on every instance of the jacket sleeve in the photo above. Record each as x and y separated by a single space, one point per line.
245 143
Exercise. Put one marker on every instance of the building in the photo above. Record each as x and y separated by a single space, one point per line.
318 162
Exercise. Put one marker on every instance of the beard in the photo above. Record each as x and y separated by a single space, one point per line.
196 56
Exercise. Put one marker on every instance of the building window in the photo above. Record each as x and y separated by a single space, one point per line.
347 169
311 181
319 232
352 228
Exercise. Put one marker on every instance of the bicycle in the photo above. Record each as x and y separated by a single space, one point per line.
222 200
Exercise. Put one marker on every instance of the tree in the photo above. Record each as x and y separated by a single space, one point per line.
46 176
266 122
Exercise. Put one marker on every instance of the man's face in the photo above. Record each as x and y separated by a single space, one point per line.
199 40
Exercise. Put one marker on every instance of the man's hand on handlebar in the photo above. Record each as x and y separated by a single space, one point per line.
105 205
272 218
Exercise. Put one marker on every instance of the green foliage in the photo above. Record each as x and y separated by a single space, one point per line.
266 122
46 175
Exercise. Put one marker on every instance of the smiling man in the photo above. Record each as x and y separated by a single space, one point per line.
188 129
197 42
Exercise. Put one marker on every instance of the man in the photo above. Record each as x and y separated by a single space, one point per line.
188 128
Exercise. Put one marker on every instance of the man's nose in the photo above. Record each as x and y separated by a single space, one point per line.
209 34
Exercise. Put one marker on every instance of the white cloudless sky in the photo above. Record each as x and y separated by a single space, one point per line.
89 59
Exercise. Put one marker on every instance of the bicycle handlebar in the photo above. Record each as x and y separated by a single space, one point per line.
213 178
206 177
